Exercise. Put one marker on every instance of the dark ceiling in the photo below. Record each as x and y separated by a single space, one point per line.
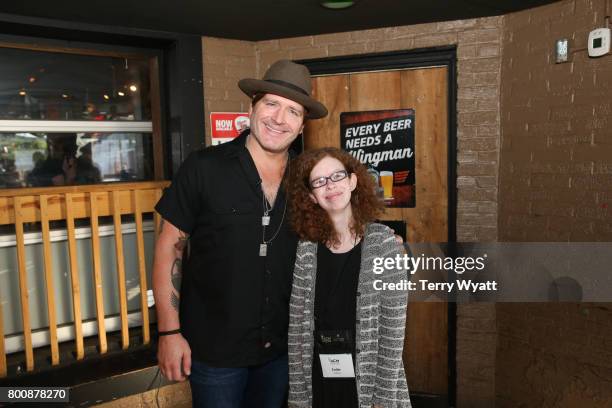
260 19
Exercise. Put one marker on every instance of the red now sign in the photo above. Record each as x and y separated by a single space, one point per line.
225 126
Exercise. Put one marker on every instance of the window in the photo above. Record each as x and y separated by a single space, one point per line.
68 118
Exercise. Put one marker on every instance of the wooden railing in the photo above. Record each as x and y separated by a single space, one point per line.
20 206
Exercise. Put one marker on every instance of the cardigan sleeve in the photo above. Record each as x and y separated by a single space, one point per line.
390 390
298 394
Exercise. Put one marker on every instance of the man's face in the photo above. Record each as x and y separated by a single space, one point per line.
276 122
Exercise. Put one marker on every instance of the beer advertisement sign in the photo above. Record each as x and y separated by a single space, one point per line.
226 126
384 142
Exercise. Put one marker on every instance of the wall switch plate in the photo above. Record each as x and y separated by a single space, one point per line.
561 50
599 42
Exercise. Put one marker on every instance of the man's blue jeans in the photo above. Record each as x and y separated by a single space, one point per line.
263 386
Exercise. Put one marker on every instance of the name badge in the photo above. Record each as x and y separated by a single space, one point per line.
337 365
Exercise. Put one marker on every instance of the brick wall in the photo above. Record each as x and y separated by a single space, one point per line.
224 63
555 184
556 168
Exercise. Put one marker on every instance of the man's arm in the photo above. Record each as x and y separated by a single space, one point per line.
173 353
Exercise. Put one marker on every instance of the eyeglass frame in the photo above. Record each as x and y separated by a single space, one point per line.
328 179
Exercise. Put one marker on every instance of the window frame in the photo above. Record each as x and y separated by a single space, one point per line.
154 126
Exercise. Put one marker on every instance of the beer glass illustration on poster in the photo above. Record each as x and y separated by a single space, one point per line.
384 142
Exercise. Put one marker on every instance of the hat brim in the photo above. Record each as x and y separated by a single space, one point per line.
314 108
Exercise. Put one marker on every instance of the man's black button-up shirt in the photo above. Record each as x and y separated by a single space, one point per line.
234 304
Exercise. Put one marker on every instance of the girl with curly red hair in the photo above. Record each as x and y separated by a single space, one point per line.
346 336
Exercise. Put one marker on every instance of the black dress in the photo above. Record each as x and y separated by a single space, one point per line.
335 309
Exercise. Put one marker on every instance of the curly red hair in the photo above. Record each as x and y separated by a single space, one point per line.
308 219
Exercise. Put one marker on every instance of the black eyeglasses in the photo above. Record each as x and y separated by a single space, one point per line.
335 177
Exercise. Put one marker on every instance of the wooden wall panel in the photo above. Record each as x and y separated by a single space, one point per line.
425 90
333 92
142 271
375 91
50 287
97 271
24 294
74 277
121 285
149 195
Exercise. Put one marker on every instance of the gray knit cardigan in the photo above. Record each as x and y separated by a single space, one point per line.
380 325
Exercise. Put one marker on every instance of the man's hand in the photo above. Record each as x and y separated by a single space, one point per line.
398 238
174 357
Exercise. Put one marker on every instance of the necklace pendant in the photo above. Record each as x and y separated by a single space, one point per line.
263 249
265 220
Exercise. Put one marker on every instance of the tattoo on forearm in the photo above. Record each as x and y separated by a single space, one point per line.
174 301
182 242
176 277
176 272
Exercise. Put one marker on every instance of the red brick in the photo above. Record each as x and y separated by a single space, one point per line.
480 92
296 42
486 181
479 36
310 52
477 219
481 144
409 31
431 40
348 49
457 25
477 118
476 169
368 35
480 194
486 78
591 153
393 44
465 51
268 45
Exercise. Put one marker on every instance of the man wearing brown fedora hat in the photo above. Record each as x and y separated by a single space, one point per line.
223 319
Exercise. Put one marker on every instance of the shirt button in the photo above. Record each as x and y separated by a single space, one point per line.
267 345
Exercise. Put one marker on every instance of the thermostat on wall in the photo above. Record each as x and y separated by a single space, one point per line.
599 42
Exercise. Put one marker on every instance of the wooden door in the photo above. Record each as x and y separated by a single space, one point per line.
426 91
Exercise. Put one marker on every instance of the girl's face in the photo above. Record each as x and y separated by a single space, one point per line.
331 185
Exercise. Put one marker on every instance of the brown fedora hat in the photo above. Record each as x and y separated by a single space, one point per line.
289 80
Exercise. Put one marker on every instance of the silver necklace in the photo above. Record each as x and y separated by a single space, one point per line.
265 221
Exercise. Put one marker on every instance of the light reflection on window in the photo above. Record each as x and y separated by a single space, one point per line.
43 85
55 159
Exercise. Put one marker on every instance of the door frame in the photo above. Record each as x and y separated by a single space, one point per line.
445 56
